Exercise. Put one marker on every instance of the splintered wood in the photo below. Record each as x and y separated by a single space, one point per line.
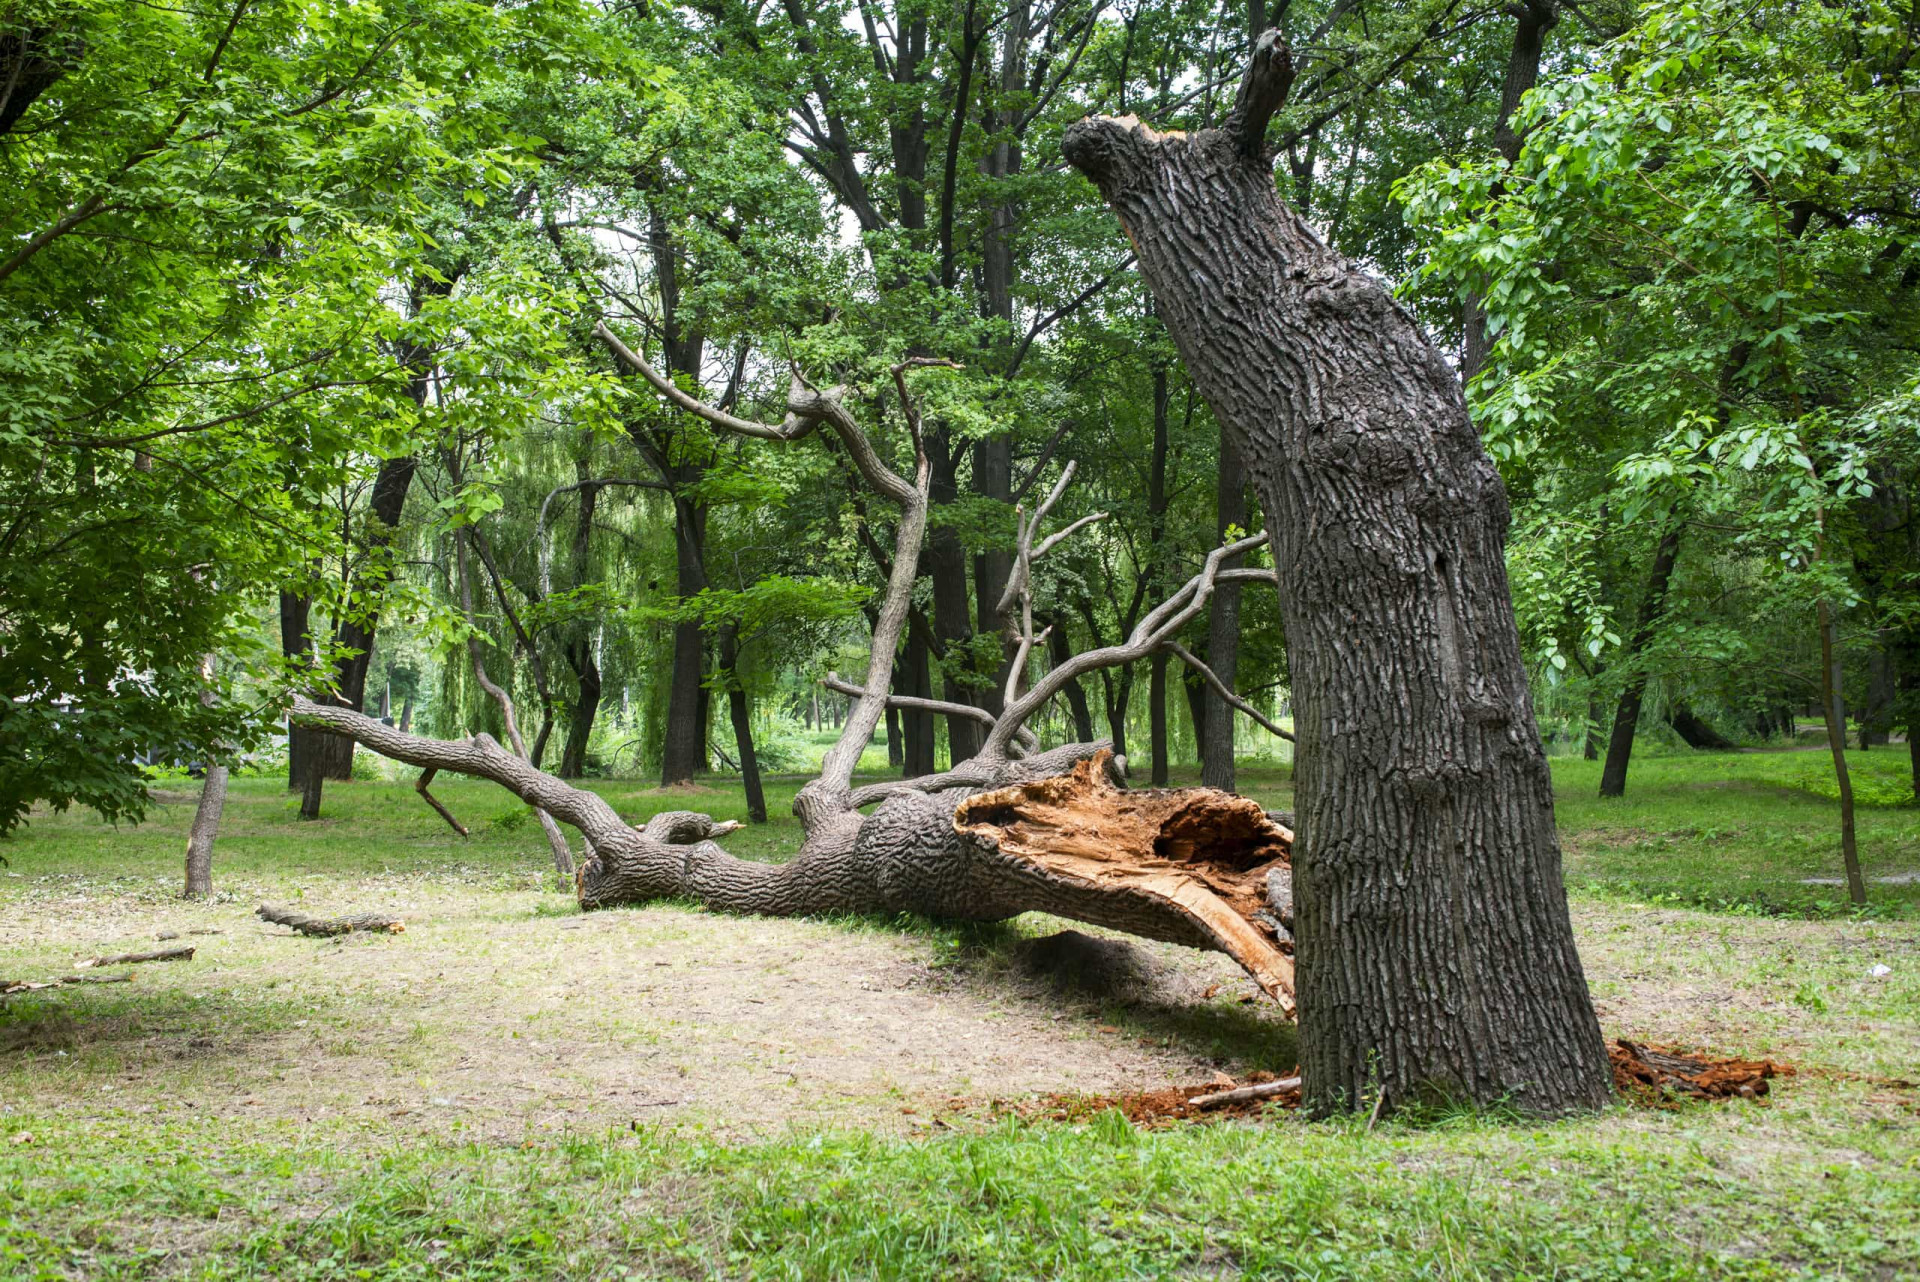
1205 853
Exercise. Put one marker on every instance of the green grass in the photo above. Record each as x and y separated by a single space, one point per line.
117 1162
1738 832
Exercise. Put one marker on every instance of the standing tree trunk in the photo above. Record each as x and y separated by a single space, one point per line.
1223 628
1834 712
1059 650
1156 538
684 752
1436 955
206 826
742 717
1533 20
1626 717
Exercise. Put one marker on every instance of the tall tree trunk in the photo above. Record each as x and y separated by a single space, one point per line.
1156 538
1060 649
573 756
206 826
1436 955
741 715
1836 718
295 645
896 751
1626 717
684 753
1533 19
918 725
1223 628
946 562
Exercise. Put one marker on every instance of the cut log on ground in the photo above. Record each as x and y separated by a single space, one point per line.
324 926
8 987
128 959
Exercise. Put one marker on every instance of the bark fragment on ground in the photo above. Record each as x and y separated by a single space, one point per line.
1169 1106
325 926
1660 1074
1202 855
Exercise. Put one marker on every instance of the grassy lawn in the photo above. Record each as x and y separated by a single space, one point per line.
514 1090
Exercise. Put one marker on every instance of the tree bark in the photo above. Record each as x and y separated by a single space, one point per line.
1626 717
1836 718
1436 953
206 826
1223 628
684 752
946 562
741 715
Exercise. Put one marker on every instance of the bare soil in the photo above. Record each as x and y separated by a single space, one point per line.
503 1014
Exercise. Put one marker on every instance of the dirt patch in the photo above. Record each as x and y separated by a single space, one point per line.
504 1015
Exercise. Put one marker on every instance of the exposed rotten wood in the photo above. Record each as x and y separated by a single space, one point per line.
1204 853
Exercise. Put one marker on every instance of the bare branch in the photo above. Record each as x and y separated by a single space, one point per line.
1262 92
1221 688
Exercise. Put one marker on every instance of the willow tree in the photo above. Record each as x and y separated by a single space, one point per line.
1436 955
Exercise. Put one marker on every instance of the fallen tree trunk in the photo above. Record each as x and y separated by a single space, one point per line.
1188 866
323 926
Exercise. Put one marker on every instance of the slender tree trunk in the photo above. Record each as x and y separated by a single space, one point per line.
918 729
1533 20
896 751
684 752
1626 717
206 826
1223 629
1436 955
742 716
946 563
573 755
296 645
1060 649
1156 537
1595 712
1836 718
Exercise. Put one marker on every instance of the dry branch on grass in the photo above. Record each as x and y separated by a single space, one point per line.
184 953
8 987
324 926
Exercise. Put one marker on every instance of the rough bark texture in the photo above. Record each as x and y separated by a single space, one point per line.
206 826
1435 950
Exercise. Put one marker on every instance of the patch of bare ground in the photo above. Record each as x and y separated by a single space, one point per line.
502 1015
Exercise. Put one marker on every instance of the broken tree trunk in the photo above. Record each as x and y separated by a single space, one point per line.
1436 955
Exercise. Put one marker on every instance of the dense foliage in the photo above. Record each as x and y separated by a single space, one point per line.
297 301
